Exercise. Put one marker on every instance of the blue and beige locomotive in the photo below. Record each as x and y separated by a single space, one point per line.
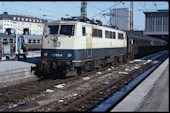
74 46
71 47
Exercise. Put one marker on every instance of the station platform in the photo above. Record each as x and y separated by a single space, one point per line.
34 54
31 54
14 70
152 95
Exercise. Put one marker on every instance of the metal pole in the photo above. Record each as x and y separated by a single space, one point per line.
131 16
83 9
16 44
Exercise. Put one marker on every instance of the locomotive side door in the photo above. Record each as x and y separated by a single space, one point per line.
130 47
1 47
88 41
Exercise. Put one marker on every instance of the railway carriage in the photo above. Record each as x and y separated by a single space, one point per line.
33 42
140 45
12 46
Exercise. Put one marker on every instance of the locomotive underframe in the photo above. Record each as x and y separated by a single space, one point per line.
62 68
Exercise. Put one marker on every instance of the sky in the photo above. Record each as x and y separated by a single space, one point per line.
54 10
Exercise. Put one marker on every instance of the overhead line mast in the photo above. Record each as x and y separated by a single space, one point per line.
131 16
84 9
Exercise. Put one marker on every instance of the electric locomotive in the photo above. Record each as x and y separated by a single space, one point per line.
71 47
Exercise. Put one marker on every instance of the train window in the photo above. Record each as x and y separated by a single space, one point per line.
38 41
83 31
29 41
134 42
110 34
97 33
67 30
113 35
120 36
4 43
100 33
106 34
53 29
4 40
11 41
34 41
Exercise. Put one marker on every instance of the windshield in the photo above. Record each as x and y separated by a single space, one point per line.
53 29
67 30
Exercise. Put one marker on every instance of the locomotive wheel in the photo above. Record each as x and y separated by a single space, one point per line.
80 70
42 69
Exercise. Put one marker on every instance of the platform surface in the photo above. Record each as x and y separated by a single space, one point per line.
34 54
151 95
14 70
4 65
31 54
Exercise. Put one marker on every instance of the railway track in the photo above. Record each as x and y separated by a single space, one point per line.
80 93
95 94
32 89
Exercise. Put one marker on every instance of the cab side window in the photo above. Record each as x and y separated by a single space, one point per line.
84 31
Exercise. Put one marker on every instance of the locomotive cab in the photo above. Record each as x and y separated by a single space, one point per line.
58 44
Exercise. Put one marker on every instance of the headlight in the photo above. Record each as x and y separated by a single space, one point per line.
45 54
69 55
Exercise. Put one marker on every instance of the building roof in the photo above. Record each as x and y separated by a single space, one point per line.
159 11
139 35
5 15
21 16
32 36
3 35
125 8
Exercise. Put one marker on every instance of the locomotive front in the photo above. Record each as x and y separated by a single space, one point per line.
58 46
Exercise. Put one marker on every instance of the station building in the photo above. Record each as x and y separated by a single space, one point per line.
22 24
157 24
